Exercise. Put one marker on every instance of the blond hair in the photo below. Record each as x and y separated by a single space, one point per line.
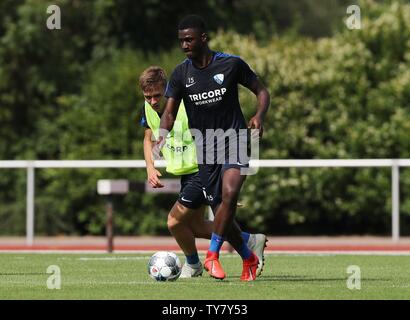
151 77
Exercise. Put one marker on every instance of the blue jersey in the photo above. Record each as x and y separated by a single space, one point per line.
210 94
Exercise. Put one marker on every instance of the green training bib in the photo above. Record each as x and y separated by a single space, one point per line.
179 149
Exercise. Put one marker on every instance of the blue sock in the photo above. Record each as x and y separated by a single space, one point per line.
244 251
193 258
245 236
216 243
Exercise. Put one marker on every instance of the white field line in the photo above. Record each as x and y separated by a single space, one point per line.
113 258
159 283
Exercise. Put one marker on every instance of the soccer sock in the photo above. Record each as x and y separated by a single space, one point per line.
216 243
193 258
245 236
244 251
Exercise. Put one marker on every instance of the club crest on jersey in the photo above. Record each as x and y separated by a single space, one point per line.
219 78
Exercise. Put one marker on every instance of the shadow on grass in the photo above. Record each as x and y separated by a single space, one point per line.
23 274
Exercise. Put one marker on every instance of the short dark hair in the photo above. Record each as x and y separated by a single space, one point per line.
192 21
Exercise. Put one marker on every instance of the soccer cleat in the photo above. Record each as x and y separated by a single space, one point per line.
191 271
213 266
257 243
250 266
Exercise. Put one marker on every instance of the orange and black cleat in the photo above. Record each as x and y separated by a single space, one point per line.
250 267
213 266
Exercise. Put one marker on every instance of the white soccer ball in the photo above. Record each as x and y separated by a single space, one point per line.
164 266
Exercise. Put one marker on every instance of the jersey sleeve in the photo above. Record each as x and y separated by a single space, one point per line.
245 74
143 121
174 87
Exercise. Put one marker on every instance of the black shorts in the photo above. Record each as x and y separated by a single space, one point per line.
211 173
211 178
192 194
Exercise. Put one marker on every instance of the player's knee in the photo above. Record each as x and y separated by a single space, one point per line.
177 216
172 223
230 197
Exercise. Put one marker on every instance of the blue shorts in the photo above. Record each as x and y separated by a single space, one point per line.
192 194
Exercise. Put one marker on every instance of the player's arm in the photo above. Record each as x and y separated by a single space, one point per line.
168 119
152 173
263 101
170 113
173 93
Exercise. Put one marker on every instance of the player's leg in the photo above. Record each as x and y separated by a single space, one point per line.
225 226
185 225
231 184
200 225
188 205
257 243
227 184
252 263
179 227
192 196
202 228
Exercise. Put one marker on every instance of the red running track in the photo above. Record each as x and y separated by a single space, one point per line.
275 244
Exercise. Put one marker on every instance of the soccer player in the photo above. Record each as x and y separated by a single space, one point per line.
207 82
186 220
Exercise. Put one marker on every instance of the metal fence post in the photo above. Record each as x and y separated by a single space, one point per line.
395 201
30 204
109 224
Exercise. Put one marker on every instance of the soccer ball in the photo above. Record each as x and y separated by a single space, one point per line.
164 266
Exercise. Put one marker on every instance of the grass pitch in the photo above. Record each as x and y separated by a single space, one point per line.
124 276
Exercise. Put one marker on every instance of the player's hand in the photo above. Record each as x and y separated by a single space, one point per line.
256 122
153 178
156 150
